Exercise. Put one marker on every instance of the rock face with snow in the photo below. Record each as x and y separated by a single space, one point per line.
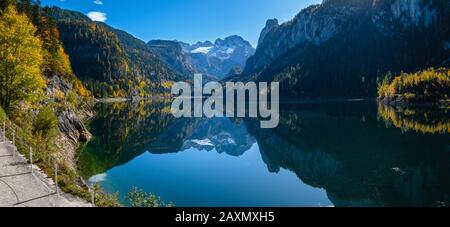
222 134
219 58
340 47
214 60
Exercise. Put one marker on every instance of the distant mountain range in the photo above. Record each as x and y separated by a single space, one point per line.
215 60
341 47
111 62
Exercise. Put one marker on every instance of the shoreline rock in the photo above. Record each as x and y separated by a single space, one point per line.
71 125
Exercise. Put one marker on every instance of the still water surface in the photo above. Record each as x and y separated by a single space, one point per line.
322 154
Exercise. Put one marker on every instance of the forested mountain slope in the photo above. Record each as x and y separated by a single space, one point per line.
111 62
340 48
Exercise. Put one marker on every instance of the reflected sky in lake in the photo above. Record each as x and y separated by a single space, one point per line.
200 178
322 154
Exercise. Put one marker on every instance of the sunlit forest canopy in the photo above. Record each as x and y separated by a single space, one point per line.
427 85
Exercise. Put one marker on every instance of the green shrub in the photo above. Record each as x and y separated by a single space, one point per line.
3 116
46 124
139 198
72 98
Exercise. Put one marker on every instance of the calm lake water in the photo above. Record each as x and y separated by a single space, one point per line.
351 153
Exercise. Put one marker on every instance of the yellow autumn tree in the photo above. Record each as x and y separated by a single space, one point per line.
21 59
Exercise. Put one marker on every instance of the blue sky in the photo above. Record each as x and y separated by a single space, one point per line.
187 20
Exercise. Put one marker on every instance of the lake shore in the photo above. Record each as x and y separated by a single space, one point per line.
133 99
112 100
402 101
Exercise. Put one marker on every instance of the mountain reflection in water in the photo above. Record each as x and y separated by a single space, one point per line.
335 153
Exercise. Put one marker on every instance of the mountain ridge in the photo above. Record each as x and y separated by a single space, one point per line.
214 60
110 61
340 48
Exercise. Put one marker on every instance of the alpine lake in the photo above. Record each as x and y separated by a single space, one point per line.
331 153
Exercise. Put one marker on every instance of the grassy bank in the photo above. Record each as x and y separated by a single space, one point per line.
46 154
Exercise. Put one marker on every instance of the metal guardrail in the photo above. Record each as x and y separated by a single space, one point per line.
15 152
4 140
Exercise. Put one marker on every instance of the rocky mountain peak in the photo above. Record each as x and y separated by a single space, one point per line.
214 60
370 37
272 22
270 25
318 24
204 44
218 58
234 40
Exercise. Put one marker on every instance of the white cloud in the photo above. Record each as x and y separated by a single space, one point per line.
98 2
97 16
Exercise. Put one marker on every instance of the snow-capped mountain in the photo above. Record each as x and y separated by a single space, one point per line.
219 58
199 47
214 60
